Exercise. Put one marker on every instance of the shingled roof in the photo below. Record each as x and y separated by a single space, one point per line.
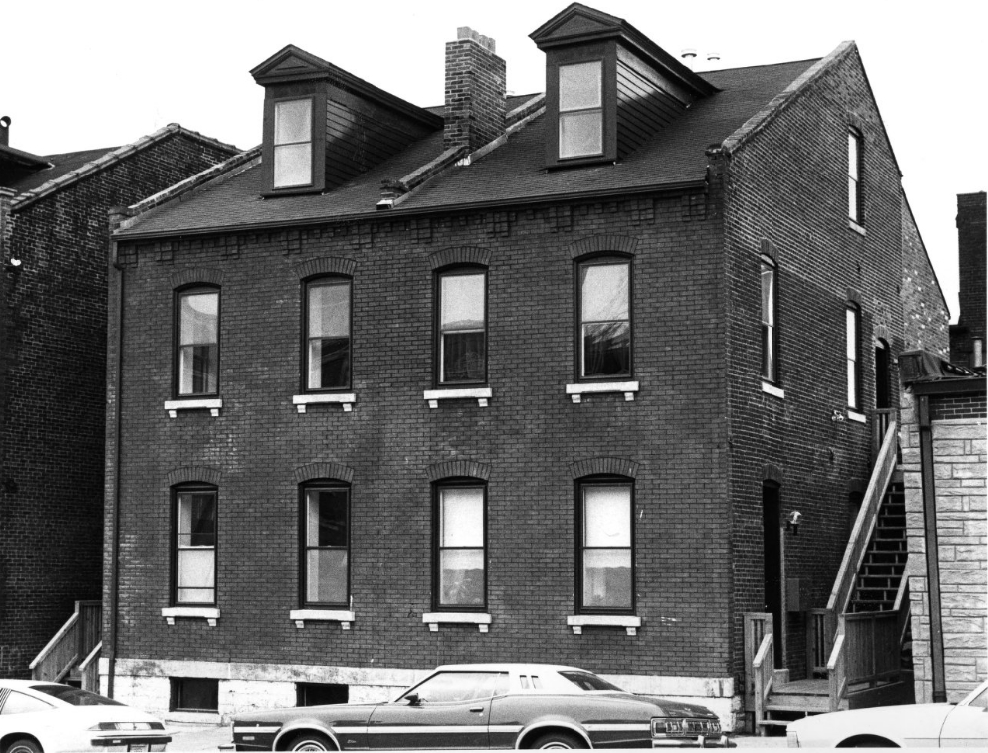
511 174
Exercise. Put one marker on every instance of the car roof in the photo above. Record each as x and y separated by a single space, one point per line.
507 667
25 684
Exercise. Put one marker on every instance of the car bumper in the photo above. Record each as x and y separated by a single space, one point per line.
131 742
721 741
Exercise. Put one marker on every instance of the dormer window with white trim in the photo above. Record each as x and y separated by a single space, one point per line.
293 143
581 125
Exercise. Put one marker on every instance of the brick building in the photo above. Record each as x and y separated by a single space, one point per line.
53 246
967 337
516 379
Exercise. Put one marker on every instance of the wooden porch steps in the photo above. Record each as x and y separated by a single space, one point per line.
794 700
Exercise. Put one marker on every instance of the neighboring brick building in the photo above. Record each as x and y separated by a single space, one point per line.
967 337
391 394
53 246
944 458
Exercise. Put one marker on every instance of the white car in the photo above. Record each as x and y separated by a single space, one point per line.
45 717
928 725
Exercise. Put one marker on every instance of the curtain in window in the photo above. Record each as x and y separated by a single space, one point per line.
605 320
607 547
196 556
461 547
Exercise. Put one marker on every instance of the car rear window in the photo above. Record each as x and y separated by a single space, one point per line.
587 681
75 696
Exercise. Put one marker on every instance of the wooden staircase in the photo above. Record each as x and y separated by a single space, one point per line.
884 563
72 655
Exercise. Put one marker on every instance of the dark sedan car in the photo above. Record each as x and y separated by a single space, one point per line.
489 706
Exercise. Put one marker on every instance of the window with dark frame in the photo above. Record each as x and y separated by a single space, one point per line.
327 333
581 121
854 165
462 323
461 546
769 307
293 143
604 306
194 694
853 322
195 545
198 341
321 693
605 556
326 573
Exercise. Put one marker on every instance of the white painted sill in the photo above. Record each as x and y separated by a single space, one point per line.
481 394
346 399
209 614
576 391
343 616
856 227
629 622
433 619
771 389
213 404
853 415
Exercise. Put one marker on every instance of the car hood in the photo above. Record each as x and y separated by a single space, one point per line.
678 709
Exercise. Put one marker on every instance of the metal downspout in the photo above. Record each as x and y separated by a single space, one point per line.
932 550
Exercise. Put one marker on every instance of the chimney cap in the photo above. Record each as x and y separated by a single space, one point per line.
465 32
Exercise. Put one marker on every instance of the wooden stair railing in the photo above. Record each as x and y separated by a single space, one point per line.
763 671
74 641
89 670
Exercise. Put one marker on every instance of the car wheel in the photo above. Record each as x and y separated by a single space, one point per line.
558 741
310 741
24 746
867 741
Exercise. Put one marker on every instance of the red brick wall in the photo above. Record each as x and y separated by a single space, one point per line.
52 375
475 90
925 314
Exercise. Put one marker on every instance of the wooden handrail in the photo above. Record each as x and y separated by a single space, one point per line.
854 553
53 643
763 679
835 673
93 655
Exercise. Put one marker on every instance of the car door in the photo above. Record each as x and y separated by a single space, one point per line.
449 709
966 726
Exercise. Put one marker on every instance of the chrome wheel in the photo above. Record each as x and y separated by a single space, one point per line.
24 746
558 741
311 742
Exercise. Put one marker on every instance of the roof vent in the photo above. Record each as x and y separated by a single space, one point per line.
689 56
713 56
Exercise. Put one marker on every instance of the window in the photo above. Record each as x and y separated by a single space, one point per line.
456 687
853 319
293 143
605 570
194 694
462 327
195 545
327 544
461 579
854 164
604 304
13 702
327 334
321 694
581 132
198 341
769 304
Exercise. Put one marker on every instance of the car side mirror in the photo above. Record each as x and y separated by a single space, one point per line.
413 699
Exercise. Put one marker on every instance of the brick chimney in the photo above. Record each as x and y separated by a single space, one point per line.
967 337
475 85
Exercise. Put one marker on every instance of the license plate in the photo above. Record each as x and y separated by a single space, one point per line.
139 748
691 728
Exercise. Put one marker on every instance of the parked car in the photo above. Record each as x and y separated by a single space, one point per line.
928 725
46 717
489 706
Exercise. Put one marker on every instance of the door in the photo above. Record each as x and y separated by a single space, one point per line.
773 565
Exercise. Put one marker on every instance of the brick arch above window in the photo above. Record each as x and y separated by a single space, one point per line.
193 275
327 469
597 244
770 250
458 469
606 466
447 257
854 296
773 473
193 473
326 265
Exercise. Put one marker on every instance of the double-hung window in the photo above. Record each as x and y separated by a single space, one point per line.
462 321
461 547
326 575
769 335
605 570
293 143
195 545
198 341
852 318
604 304
327 334
581 122
854 164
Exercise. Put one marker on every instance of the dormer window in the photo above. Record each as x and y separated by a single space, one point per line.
293 143
581 126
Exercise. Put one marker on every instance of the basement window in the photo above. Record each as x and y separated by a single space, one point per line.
194 694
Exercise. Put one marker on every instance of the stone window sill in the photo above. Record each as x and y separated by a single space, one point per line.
771 389
343 616
576 391
482 395
853 415
481 619
629 622
856 227
346 399
213 404
209 614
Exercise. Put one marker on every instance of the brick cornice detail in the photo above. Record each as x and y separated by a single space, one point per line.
460 255
606 466
327 469
326 265
458 468
193 473
190 275
596 244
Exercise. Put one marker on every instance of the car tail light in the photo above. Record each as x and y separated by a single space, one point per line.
125 726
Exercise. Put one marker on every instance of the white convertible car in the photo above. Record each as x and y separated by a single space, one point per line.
926 725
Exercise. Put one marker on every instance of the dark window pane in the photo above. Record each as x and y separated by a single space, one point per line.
463 357
195 694
328 517
197 519
588 681
329 363
322 694
606 349
75 696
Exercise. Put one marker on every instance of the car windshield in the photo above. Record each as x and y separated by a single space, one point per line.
75 696
588 681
